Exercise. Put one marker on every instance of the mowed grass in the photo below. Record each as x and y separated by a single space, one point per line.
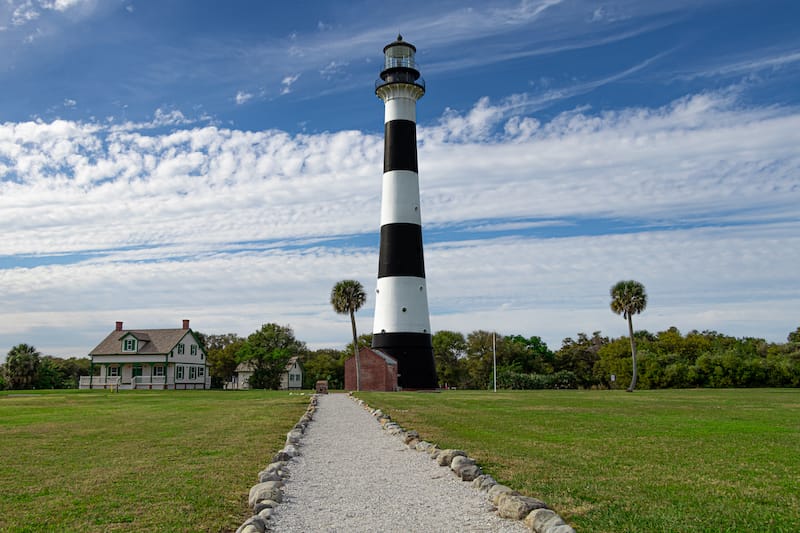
609 461
136 461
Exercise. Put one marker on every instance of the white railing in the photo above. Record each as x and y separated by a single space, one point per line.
100 382
148 382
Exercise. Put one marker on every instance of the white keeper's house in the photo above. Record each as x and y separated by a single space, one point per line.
291 378
149 359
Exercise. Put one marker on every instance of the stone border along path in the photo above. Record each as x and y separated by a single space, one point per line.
349 476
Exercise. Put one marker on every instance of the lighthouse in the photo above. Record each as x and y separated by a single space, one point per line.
402 323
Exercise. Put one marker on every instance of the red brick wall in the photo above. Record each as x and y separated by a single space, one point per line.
376 374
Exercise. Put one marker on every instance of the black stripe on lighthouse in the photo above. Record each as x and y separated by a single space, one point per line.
414 355
401 251
400 145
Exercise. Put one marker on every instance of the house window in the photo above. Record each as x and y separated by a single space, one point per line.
129 345
193 349
192 372
158 371
180 349
179 372
113 371
201 371
137 371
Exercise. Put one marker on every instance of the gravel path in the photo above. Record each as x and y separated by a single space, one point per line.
352 476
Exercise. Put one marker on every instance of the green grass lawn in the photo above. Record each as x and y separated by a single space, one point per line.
609 461
136 461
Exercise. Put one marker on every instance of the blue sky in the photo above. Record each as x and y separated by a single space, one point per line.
221 162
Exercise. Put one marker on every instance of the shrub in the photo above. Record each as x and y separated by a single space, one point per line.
564 379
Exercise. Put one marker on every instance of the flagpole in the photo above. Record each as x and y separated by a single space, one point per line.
494 360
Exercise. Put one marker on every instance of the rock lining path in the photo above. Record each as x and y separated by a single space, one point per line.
351 476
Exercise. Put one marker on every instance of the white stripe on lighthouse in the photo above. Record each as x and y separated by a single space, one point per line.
404 305
401 105
400 198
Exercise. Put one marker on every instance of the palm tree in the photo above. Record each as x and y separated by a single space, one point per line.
22 366
348 296
627 299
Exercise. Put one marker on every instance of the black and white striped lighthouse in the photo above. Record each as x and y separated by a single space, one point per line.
402 323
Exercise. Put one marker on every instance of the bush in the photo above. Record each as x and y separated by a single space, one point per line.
564 379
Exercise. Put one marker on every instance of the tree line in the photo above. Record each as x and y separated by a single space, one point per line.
666 359
26 368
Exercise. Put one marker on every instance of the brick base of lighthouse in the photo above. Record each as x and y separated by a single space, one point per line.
416 367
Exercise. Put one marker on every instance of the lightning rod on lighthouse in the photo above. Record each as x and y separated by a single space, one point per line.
402 322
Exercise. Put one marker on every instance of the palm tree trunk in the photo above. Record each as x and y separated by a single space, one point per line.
355 350
633 354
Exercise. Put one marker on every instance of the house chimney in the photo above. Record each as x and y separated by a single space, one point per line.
119 325
185 324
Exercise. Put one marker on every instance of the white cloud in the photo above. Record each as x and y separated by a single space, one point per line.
287 83
333 69
64 5
24 13
243 97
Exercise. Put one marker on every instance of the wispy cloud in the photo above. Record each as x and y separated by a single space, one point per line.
25 11
515 226
528 28
242 97
332 69
765 60
287 82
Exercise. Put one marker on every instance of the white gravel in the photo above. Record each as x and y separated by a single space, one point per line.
352 476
